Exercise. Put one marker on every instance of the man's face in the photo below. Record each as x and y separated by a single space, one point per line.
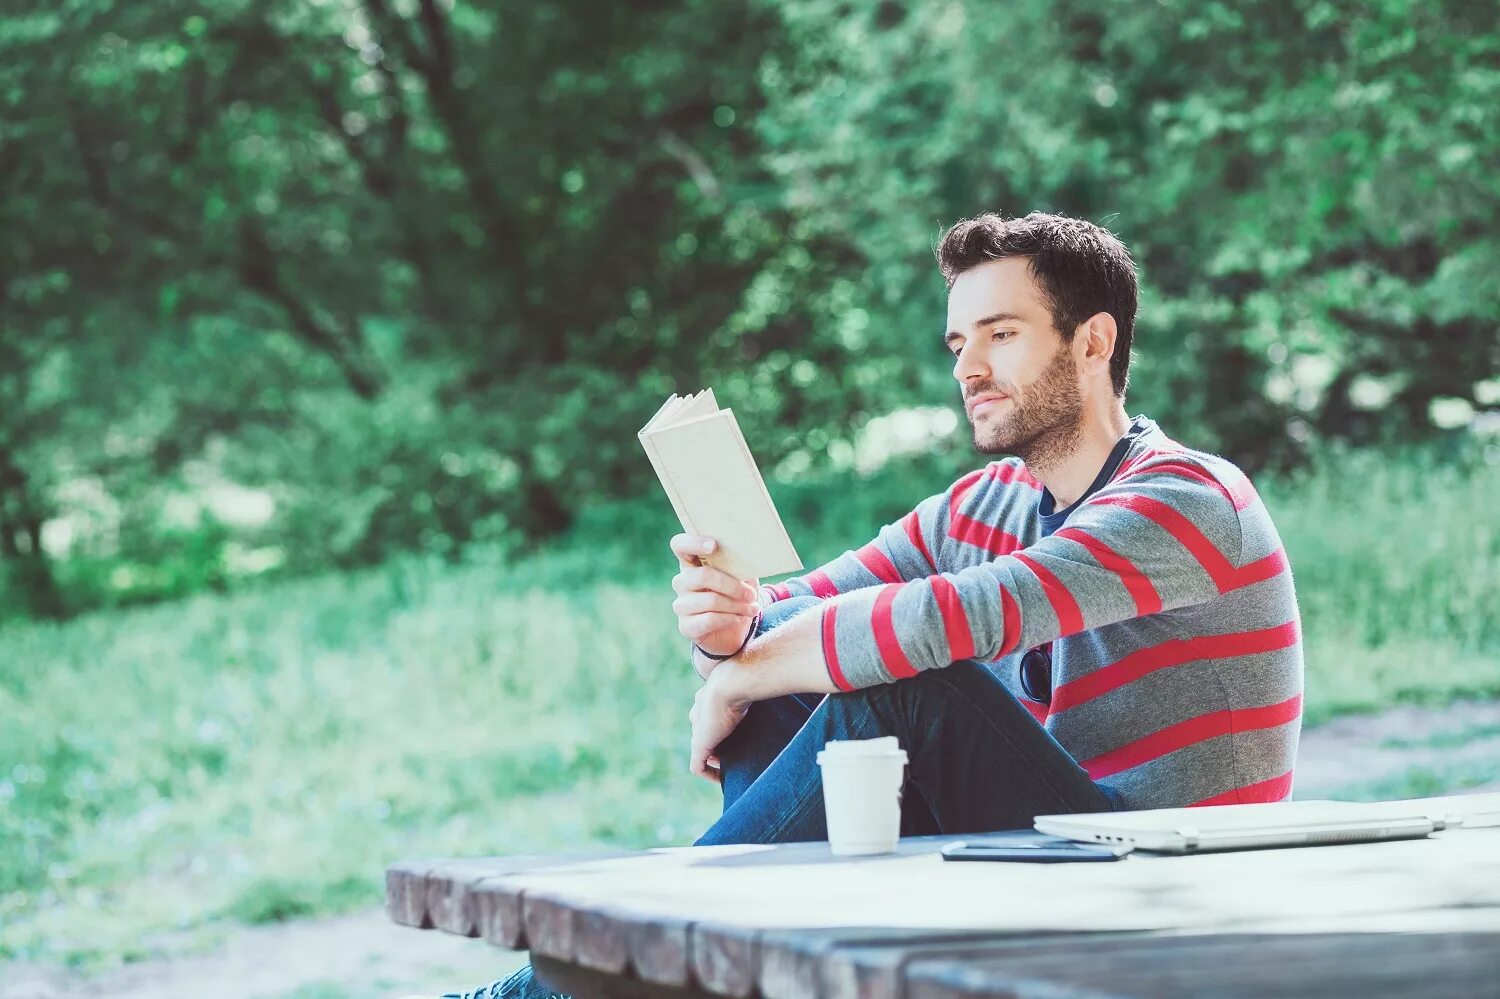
1004 346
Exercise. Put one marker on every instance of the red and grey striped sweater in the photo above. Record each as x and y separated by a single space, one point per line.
1166 597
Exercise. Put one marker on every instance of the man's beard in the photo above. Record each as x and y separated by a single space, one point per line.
1044 420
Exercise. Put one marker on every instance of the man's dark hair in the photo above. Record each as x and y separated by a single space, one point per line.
1080 268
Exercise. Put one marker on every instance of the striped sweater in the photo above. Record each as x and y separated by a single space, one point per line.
1166 597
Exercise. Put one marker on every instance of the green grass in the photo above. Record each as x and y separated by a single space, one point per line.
1446 740
1424 782
262 756
1397 563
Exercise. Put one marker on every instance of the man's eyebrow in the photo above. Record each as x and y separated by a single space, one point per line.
998 317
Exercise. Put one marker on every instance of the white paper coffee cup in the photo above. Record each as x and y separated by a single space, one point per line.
862 781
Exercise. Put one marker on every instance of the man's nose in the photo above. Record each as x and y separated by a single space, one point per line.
970 363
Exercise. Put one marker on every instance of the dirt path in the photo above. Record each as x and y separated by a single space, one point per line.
1360 749
364 956
342 957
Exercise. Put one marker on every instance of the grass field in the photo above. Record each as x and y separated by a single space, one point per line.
262 756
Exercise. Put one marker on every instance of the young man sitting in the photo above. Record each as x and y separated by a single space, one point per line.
1104 620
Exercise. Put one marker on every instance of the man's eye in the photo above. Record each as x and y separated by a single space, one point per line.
999 334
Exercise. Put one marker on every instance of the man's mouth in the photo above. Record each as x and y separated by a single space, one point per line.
987 402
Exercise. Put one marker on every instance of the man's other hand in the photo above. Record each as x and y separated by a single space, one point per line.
713 608
716 712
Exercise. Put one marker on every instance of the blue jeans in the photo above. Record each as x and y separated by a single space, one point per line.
977 760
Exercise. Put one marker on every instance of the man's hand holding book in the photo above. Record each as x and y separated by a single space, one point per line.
719 497
714 610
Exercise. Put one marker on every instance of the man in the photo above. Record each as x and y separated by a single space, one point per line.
1104 620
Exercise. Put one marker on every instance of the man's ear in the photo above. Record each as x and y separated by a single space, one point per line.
1098 334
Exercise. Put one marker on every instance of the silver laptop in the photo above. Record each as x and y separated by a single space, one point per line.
1238 827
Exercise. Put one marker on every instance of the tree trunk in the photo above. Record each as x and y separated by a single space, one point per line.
541 513
28 572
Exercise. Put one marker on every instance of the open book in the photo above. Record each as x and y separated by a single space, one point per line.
715 488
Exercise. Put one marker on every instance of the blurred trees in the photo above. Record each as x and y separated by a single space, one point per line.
1311 190
421 268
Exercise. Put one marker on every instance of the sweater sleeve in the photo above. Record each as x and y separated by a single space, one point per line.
902 551
1166 535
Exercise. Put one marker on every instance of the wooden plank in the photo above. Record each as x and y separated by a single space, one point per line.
1043 957
449 892
611 940
659 950
881 972
587 983
602 941
469 896
1224 966
406 892
501 904
794 963
806 962
497 912
726 957
867 964
770 891
923 895
739 920
550 926
663 949
572 913
578 915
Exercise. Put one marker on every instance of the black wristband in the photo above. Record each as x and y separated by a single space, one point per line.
748 635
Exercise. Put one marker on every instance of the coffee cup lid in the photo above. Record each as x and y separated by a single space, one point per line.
886 745
883 744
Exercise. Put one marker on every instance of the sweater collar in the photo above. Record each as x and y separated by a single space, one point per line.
1052 518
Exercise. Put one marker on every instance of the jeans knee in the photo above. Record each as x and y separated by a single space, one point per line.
927 691
862 699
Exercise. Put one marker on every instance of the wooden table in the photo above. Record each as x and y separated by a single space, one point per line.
1409 918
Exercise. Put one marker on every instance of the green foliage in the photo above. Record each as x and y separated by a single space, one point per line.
152 562
1298 187
417 269
261 756
276 900
404 264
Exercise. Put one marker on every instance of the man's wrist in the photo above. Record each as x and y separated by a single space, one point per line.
727 684
712 657
702 665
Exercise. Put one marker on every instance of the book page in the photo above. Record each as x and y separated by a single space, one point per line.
702 404
669 404
720 493
679 408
